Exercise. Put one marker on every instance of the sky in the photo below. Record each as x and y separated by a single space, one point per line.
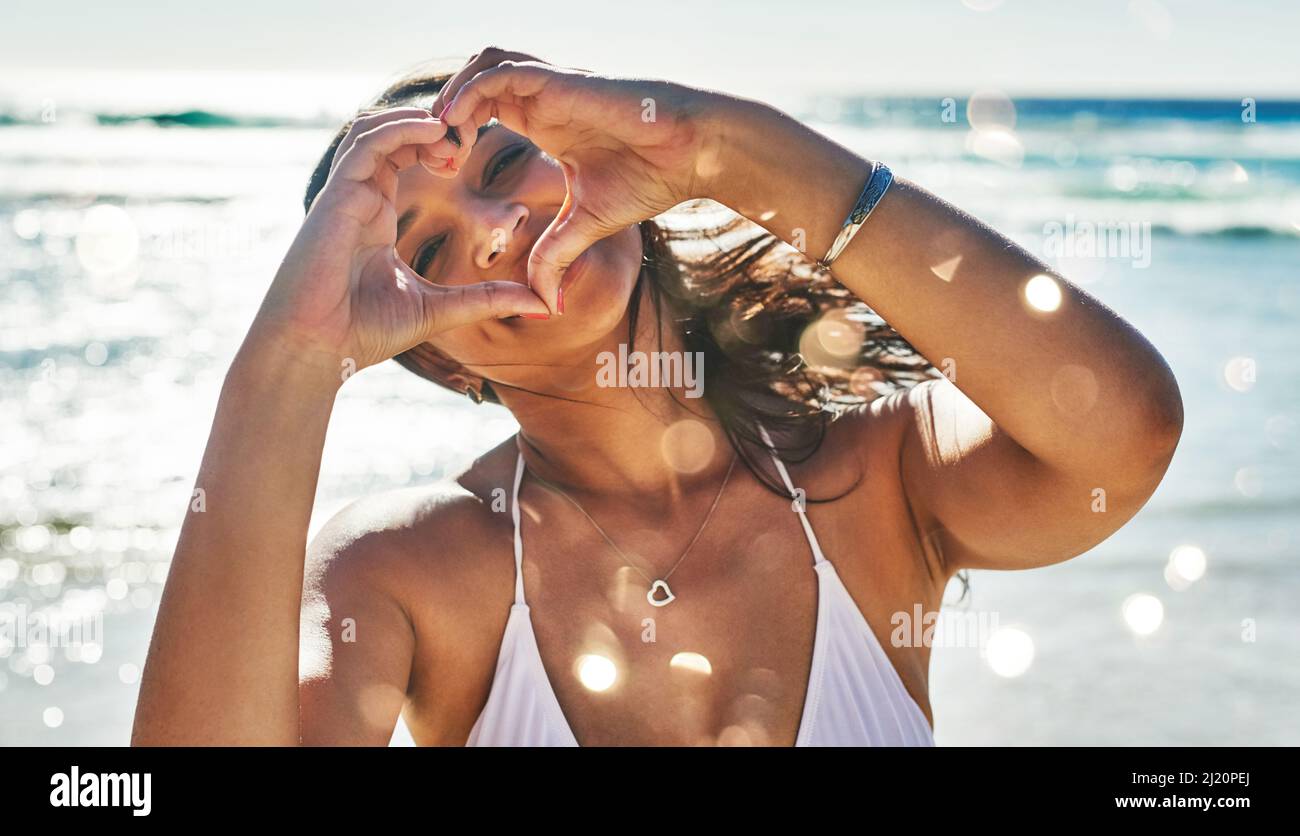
1185 48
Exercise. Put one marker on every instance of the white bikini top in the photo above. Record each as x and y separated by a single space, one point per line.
854 696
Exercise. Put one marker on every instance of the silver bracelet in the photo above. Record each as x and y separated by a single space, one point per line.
872 192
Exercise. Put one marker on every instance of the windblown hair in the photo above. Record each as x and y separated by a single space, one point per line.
783 342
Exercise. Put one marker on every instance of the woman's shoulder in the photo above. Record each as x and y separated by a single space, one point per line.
423 538
876 429
861 440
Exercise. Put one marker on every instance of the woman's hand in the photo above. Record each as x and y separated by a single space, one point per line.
342 296
629 149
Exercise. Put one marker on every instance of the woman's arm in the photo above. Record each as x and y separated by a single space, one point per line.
1049 407
223 663
1041 408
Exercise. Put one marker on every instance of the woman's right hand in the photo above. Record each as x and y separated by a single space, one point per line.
342 296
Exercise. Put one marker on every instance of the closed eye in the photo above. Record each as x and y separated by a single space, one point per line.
503 160
424 256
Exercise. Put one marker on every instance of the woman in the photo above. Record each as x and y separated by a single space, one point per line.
664 595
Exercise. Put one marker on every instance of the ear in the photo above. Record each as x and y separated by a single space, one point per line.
431 364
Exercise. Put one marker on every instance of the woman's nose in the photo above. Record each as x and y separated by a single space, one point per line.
499 233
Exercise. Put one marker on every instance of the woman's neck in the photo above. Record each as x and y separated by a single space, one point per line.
618 421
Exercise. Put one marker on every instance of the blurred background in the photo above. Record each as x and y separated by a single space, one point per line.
152 163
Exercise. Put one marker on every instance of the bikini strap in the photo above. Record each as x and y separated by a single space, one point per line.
519 540
818 557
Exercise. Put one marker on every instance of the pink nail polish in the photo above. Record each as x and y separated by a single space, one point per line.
559 300
536 316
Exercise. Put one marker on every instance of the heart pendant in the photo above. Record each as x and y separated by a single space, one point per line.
660 602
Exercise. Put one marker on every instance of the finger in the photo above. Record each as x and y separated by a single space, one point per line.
509 115
385 176
489 57
572 232
373 148
507 83
499 102
436 165
370 121
451 307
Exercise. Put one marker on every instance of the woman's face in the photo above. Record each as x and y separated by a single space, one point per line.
480 226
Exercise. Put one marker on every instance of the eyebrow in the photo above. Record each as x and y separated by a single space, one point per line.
404 223
410 216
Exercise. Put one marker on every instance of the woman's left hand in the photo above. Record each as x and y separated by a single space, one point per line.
629 149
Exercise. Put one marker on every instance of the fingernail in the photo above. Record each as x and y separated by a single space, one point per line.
536 316
444 111
559 300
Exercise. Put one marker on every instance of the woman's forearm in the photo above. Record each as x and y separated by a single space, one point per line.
1077 386
223 662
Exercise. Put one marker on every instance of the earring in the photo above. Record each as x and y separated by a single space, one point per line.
474 395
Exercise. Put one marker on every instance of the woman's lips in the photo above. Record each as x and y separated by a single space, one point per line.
576 270
571 276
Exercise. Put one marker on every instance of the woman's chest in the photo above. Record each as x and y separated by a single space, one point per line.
729 659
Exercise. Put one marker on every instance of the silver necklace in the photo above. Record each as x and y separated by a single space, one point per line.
657 585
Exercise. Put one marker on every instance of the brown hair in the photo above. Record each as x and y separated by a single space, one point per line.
754 306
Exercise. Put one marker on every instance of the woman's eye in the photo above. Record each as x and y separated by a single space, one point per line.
501 162
424 256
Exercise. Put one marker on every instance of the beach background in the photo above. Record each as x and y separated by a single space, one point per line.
148 190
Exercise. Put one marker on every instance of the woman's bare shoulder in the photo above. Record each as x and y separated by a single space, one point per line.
874 430
860 441
408 538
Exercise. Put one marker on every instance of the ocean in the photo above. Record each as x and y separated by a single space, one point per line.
138 232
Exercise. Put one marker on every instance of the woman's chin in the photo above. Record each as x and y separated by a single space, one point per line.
597 287
601 280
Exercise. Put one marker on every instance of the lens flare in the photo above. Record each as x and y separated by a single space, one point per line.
692 662
596 673
946 269
687 446
107 241
1143 613
1009 652
1239 373
991 110
1188 562
1043 293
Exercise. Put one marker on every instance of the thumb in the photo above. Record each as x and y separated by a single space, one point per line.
568 236
446 308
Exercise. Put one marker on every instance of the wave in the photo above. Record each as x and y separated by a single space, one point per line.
1248 232
208 119
910 111
926 111
1225 507
197 118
